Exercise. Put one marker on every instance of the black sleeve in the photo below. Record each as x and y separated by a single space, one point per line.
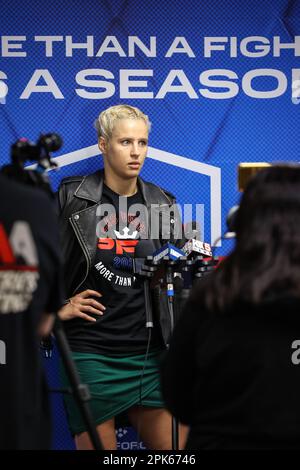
178 371
51 262
56 293
57 204
56 298
60 197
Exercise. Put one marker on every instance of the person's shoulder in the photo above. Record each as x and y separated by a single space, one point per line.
23 193
167 193
69 185
85 187
71 182
154 188
28 205
72 179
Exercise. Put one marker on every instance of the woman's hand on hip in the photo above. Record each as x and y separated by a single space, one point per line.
81 305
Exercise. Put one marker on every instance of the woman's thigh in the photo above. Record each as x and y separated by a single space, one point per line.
106 433
154 425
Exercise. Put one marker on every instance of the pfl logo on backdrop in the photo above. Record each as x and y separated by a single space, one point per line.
213 172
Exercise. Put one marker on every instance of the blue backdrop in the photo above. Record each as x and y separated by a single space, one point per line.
219 80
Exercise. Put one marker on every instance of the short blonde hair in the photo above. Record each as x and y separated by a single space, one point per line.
105 123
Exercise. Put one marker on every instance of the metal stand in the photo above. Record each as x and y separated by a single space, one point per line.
147 271
171 305
191 269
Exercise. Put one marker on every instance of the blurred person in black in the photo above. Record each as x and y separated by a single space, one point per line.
30 294
230 373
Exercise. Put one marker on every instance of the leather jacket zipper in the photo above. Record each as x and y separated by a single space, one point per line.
84 252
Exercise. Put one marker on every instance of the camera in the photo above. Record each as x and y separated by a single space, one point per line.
25 150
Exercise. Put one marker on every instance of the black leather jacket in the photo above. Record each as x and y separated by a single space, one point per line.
79 198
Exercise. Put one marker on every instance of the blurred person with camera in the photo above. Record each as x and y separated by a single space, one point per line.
30 294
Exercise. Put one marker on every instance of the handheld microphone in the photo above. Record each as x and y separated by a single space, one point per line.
168 250
143 249
196 248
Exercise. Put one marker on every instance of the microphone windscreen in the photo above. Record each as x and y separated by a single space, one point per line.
196 248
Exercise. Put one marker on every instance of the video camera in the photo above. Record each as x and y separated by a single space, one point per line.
24 150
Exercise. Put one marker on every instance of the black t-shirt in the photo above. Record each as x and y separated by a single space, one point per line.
30 284
122 328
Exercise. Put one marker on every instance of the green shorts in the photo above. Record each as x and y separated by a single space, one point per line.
115 383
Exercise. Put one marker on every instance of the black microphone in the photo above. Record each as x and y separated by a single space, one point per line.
143 249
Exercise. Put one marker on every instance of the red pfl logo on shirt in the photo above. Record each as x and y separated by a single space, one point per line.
121 246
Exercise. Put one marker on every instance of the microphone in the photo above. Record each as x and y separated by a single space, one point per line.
168 250
196 248
143 249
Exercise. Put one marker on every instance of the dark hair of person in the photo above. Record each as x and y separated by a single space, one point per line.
265 263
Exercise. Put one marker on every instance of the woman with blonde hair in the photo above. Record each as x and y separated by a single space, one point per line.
105 322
